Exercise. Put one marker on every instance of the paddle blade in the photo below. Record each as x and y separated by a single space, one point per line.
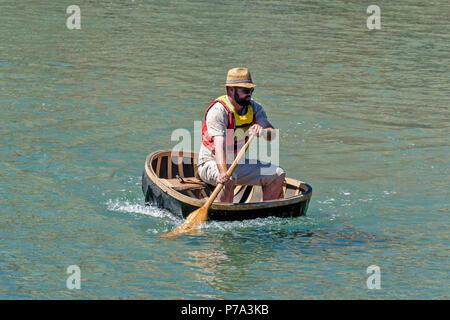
192 222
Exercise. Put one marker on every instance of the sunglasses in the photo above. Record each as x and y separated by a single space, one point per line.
247 90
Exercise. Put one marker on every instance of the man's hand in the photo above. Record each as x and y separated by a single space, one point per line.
259 131
225 179
256 130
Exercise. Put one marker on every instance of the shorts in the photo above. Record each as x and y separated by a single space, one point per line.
250 172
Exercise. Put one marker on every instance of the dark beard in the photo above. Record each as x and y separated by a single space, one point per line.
241 101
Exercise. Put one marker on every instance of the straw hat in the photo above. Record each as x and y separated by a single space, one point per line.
239 77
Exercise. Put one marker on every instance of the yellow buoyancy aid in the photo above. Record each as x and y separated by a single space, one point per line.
241 123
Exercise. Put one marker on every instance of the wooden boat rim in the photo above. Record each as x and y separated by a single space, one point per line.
219 206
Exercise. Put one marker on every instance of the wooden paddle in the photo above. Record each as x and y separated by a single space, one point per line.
199 216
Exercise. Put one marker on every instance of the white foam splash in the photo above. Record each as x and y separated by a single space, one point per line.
128 207
168 221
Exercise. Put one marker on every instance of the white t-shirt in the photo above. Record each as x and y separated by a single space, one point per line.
217 124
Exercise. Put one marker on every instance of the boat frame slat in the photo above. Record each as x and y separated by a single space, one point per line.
297 192
202 194
194 160
250 195
169 166
283 193
158 166
180 164
238 189
191 194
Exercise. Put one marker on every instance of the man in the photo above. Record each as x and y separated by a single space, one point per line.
226 123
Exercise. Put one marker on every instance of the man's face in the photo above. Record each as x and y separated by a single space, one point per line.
242 95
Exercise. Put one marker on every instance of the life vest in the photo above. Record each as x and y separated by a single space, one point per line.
237 126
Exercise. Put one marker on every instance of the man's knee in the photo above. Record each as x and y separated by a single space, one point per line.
273 176
280 172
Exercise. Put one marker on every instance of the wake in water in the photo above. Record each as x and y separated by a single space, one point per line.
128 207
166 221
333 206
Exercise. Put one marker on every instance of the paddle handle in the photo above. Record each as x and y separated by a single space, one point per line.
230 170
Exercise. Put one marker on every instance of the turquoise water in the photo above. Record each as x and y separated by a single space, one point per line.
363 118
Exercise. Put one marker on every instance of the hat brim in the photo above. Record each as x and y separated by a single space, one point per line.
242 85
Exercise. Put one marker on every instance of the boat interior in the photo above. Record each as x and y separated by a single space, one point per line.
178 170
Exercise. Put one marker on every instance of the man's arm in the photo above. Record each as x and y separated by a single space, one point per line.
217 123
262 127
220 154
